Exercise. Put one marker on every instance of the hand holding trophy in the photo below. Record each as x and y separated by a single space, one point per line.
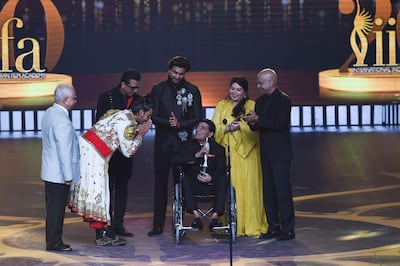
203 176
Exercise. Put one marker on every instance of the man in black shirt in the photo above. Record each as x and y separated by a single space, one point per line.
120 168
271 118
177 108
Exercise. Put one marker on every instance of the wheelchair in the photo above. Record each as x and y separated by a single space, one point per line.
178 211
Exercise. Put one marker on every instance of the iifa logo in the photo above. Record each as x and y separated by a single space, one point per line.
23 56
382 29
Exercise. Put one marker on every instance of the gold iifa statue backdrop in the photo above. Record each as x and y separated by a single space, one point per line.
376 38
24 77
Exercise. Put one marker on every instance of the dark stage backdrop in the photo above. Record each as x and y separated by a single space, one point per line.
298 38
110 36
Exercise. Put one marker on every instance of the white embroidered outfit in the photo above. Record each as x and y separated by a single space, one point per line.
91 196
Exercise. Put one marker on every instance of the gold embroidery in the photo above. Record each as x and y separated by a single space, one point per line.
108 113
131 131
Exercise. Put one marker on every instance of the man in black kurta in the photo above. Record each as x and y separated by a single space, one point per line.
272 119
177 109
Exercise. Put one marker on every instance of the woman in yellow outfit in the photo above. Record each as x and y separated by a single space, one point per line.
245 162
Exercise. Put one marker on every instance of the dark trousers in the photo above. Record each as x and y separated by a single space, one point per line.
162 168
56 196
192 187
278 199
120 171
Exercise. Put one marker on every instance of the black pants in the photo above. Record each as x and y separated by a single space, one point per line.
56 196
278 199
162 168
192 187
120 171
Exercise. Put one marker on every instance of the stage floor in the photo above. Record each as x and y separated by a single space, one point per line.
347 200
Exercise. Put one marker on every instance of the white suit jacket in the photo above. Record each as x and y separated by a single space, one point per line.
60 149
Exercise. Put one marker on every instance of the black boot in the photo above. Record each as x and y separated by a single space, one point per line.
106 237
115 240
99 233
102 239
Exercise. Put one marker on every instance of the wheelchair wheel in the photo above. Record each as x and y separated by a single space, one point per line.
176 214
232 215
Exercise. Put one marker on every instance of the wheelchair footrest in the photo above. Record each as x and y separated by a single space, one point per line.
189 228
220 228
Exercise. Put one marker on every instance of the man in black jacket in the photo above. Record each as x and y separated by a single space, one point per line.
120 168
272 119
177 108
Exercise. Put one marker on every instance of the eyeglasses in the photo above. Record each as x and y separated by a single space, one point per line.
132 87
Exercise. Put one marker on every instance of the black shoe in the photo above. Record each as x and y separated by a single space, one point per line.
103 241
105 237
270 234
107 241
286 236
197 223
120 230
60 247
118 242
214 223
155 231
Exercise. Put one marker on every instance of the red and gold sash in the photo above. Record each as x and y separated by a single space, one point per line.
101 147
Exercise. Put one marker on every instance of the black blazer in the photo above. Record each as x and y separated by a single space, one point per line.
185 157
164 100
274 125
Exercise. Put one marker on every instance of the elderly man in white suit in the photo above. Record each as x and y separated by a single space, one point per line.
60 163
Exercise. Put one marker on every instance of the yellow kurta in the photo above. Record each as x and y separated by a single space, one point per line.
246 173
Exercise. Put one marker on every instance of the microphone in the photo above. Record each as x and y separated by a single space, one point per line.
225 121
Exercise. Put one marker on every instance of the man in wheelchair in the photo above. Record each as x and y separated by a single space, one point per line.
203 162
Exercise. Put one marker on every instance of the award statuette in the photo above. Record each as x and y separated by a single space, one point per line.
204 166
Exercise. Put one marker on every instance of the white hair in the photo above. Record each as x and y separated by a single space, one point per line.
62 91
